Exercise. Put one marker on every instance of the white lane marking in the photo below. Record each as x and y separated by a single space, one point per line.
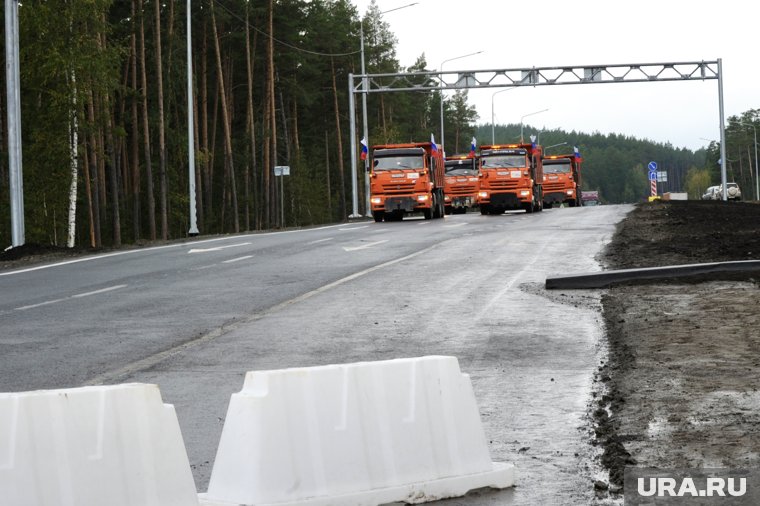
95 292
232 260
364 246
157 248
380 230
76 296
218 248
353 228
151 361
320 240
456 225
426 222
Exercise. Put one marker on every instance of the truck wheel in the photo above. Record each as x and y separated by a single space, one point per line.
484 209
447 210
528 207
428 213
378 215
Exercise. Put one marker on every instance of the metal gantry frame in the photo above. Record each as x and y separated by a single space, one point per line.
365 84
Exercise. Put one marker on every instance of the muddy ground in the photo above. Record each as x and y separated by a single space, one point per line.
680 386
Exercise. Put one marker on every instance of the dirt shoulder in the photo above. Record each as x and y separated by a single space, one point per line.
680 387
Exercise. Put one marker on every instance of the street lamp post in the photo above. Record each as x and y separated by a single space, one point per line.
757 181
365 129
493 118
525 116
440 85
190 134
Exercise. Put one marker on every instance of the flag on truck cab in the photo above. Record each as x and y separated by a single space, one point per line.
432 141
473 144
576 152
364 148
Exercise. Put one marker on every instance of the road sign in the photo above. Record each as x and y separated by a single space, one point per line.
662 176
652 166
281 170
652 175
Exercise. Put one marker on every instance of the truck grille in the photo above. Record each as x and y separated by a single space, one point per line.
504 184
552 187
398 188
462 190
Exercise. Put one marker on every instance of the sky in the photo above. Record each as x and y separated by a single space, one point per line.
550 33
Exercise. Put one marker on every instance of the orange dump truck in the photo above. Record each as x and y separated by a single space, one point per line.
462 183
406 178
562 180
511 177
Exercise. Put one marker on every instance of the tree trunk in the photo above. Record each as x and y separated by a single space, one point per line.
91 214
206 163
339 138
161 126
327 176
146 130
135 139
272 107
225 121
114 173
93 150
251 166
74 162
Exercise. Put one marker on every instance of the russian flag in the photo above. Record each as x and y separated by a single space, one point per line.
473 144
432 141
576 152
364 148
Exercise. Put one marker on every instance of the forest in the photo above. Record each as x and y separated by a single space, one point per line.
104 120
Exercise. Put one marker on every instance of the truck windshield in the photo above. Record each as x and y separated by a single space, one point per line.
463 169
557 168
504 161
398 162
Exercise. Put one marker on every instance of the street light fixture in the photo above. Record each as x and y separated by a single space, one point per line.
365 128
493 119
554 146
757 182
525 116
440 85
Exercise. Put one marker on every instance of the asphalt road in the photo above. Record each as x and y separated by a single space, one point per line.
194 317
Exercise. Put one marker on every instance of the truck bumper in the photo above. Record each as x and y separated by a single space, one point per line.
457 202
558 197
401 203
506 200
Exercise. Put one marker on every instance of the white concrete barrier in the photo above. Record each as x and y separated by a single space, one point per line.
92 446
356 434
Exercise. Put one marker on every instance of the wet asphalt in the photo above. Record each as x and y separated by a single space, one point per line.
468 286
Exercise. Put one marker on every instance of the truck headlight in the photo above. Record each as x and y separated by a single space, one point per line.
376 200
524 193
483 195
422 198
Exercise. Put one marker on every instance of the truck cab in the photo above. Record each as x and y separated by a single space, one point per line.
511 177
462 183
562 180
406 179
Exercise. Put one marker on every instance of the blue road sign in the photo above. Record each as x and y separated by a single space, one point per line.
652 166
652 175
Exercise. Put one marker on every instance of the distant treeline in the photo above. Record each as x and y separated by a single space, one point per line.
616 165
